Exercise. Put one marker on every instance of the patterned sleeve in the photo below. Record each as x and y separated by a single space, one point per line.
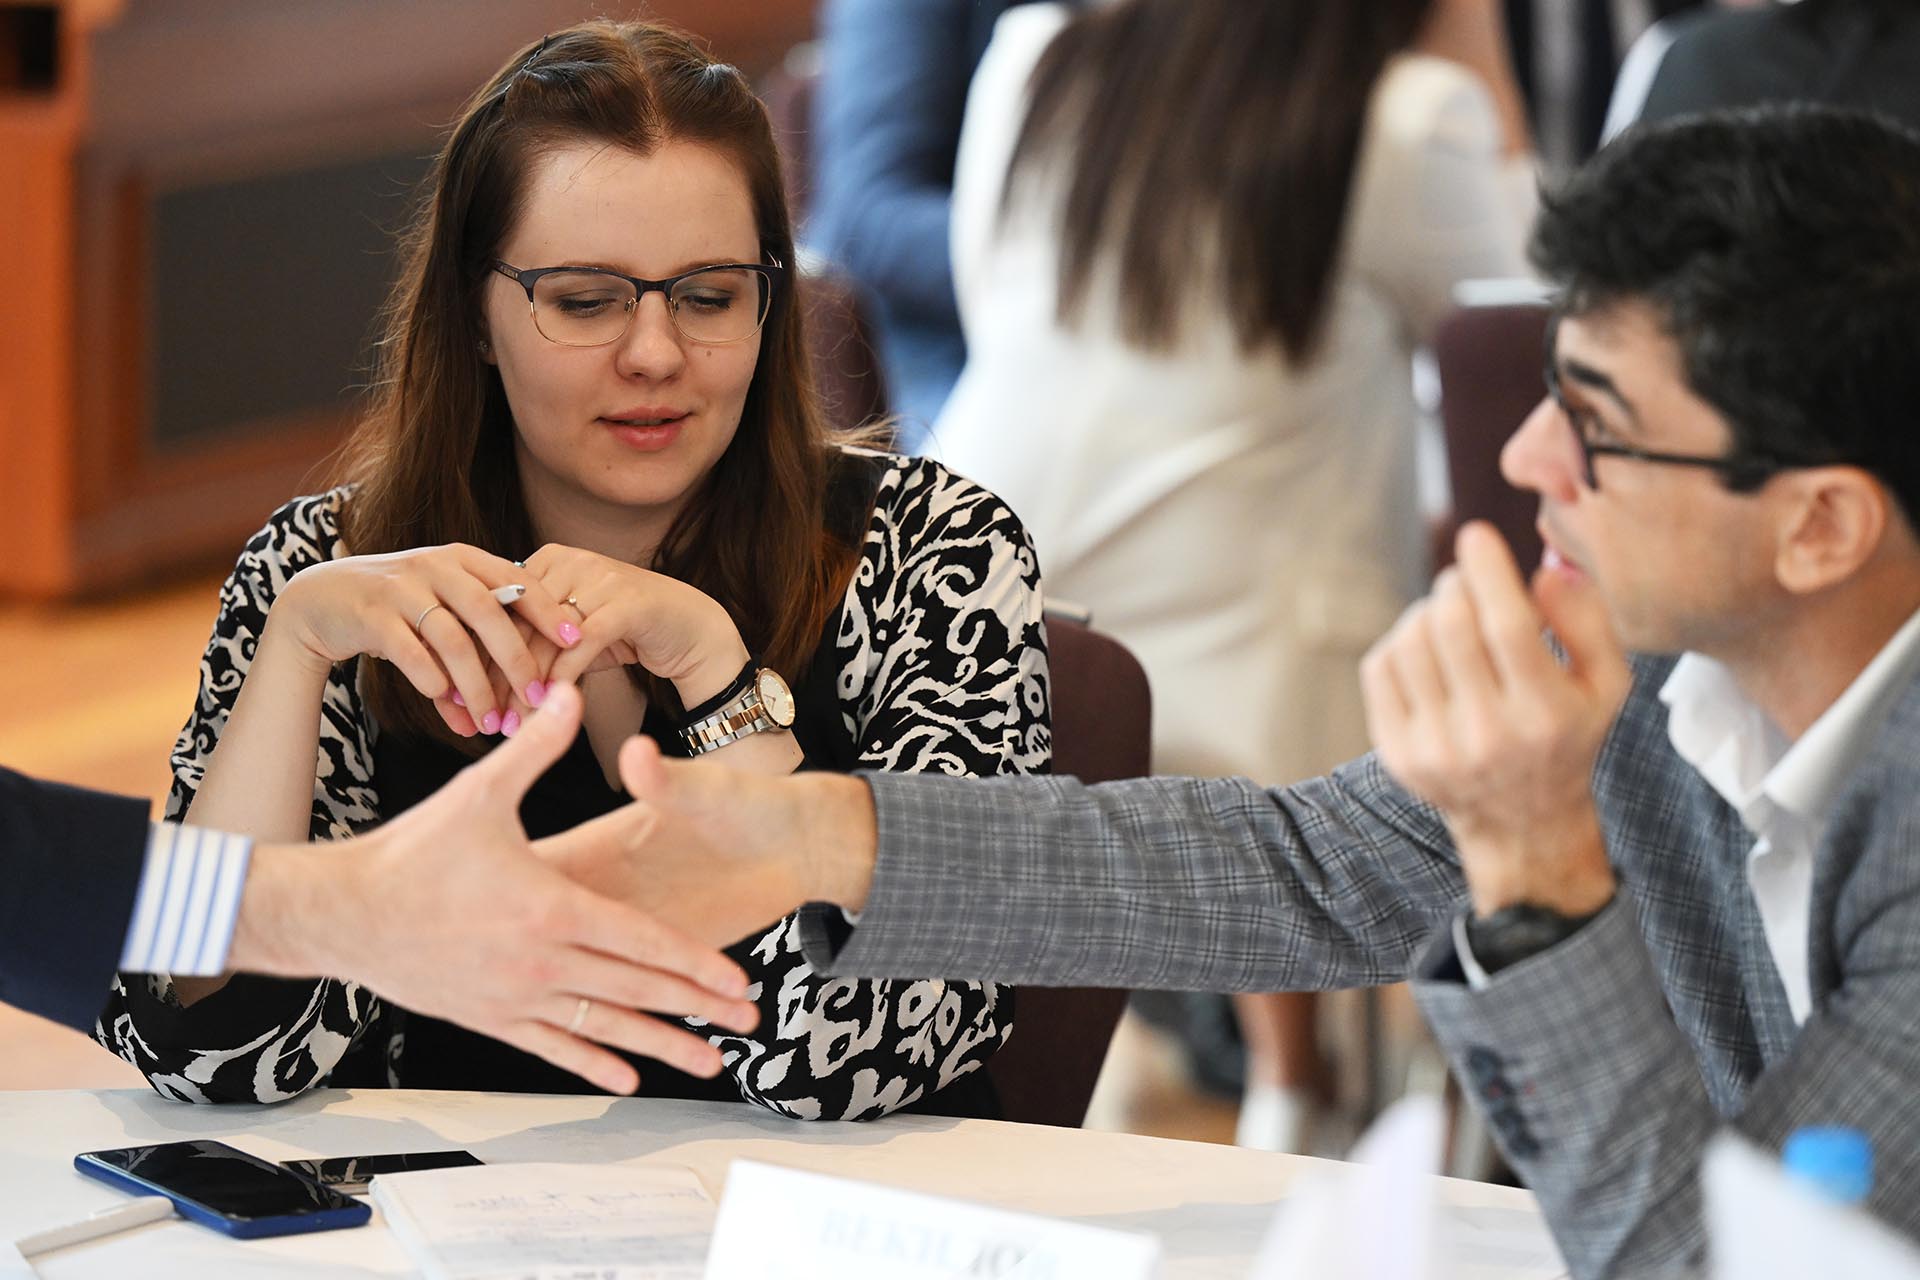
942 668
257 1039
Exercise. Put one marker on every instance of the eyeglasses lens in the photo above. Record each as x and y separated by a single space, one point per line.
589 309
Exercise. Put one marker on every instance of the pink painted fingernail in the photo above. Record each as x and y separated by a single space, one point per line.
490 722
510 725
536 693
458 701
569 634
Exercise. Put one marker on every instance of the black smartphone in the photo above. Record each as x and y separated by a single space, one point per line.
224 1188
350 1174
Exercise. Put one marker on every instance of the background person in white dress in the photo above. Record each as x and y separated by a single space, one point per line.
1190 313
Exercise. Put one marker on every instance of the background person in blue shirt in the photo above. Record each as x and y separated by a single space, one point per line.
893 90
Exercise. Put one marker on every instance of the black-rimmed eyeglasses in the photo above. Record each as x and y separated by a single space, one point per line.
591 306
1741 472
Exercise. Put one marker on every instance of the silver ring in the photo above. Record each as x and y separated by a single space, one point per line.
424 612
579 1018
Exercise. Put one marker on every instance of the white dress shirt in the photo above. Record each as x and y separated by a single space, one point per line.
188 901
1782 790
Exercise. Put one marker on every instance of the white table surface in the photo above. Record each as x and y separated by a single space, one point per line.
1209 1204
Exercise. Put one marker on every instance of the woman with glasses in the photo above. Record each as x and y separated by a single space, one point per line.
1195 245
593 457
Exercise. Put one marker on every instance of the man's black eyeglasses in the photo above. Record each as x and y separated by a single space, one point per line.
1742 472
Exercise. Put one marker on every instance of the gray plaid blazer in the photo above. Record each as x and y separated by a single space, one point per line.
1603 1064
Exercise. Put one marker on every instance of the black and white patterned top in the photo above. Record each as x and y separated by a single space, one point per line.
937 662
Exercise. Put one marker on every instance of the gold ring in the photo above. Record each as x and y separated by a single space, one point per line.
424 612
579 1018
572 603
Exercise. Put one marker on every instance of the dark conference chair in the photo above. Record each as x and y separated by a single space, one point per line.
1489 360
1102 712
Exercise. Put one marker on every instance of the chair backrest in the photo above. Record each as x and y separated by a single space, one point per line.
1102 714
1488 359
846 364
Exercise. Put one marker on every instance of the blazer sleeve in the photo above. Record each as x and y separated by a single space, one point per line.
892 90
1177 883
257 1039
1595 1093
73 863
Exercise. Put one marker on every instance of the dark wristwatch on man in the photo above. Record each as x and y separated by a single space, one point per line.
1514 933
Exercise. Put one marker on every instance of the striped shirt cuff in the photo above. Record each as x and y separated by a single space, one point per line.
188 901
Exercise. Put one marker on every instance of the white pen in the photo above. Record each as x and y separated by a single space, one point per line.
508 594
121 1217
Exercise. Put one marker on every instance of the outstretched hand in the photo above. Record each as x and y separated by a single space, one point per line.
447 911
719 852
1468 708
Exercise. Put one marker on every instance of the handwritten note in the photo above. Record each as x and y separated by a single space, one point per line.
550 1221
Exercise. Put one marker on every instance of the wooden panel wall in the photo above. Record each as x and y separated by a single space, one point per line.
157 95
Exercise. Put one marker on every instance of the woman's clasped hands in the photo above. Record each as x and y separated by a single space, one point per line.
483 637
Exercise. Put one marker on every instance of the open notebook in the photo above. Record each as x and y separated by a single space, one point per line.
550 1221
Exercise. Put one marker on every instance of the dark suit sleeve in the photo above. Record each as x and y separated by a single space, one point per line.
73 861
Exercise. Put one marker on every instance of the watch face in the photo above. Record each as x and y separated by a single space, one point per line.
775 697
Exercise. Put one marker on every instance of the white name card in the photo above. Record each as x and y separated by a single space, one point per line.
776 1221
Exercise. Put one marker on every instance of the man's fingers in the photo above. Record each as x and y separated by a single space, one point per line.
636 985
674 786
1509 622
1574 609
1458 645
1416 668
513 766
644 771
641 1034
1385 705
626 933
589 1061
699 790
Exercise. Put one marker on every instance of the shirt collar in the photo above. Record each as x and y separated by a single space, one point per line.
1732 744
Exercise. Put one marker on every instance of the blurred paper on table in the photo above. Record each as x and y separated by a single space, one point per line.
776 1221
1381 1217
1371 1219
550 1221
1762 1225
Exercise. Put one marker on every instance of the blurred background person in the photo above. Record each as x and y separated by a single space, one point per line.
1566 54
1195 245
893 87
1845 53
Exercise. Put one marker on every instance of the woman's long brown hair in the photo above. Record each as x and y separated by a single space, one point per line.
433 462
1175 118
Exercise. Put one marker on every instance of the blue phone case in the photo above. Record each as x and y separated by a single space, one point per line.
351 1214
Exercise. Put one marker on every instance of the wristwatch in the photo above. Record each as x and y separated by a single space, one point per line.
759 702
1513 933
